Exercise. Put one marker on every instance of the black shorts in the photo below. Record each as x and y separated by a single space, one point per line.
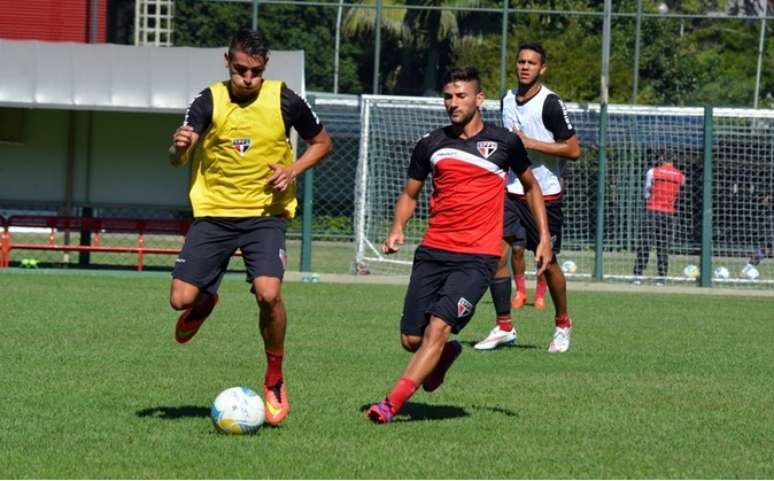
212 241
519 225
447 285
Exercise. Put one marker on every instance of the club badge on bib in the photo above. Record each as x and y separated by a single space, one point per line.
241 145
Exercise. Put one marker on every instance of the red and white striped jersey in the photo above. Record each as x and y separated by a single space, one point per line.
468 175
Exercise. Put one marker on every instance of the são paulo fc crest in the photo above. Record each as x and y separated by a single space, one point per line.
464 307
486 148
241 145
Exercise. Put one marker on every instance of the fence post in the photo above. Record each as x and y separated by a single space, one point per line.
255 14
706 203
600 229
306 229
504 49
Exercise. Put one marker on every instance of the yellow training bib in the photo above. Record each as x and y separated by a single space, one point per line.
231 160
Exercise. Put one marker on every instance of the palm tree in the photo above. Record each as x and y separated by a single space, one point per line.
423 37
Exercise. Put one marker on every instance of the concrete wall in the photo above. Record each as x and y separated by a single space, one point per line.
118 158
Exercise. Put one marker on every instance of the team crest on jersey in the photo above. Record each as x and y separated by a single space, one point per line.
464 307
486 148
241 145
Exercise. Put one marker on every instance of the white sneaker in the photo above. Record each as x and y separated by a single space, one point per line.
497 337
561 340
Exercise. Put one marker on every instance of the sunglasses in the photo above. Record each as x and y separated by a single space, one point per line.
241 69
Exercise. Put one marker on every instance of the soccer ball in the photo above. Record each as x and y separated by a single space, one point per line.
750 272
237 410
691 271
721 273
569 267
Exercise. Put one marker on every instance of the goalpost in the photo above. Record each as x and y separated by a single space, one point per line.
743 175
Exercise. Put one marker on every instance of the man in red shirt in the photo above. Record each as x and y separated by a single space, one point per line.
662 186
456 261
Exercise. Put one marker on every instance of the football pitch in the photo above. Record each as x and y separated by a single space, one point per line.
655 386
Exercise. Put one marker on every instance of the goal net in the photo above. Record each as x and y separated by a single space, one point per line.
743 163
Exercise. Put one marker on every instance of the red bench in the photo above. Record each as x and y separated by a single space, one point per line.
97 227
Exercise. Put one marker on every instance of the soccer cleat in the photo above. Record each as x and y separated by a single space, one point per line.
519 300
540 303
275 400
561 340
496 337
434 380
380 413
190 321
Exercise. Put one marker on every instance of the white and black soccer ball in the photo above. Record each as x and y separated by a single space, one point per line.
569 267
237 410
750 272
721 273
691 271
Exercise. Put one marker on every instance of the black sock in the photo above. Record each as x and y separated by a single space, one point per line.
501 295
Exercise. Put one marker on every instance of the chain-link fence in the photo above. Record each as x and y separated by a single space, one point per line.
661 52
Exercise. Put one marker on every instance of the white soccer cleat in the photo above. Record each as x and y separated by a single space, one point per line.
561 340
497 337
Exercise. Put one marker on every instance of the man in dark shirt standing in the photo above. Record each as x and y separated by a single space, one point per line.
242 191
458 255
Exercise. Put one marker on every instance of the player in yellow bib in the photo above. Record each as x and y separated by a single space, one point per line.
235 133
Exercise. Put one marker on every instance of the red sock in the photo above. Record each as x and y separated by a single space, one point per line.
563 321
273 368
521 286
402 391
504 322
540 288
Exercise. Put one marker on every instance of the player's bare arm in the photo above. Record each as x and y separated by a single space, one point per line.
568 148
183 142
404 210
534 197
319 146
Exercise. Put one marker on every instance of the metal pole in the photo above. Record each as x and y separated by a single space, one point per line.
504 49
93 21
377 47
599 267
761 45
636 69
601 174
706 199
306 229
338 44
604 85
255 14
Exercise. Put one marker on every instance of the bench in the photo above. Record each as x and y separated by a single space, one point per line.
94 228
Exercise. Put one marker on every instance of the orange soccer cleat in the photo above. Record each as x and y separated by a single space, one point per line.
191 320
276 402
519 300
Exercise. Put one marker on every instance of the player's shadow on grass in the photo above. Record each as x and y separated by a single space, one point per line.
501 348
174 412
413 411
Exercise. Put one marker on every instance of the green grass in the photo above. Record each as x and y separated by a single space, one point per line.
655 386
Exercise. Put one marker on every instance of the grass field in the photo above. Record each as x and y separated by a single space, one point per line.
655 386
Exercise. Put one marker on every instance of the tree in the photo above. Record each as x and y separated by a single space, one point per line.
423 39
288 27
